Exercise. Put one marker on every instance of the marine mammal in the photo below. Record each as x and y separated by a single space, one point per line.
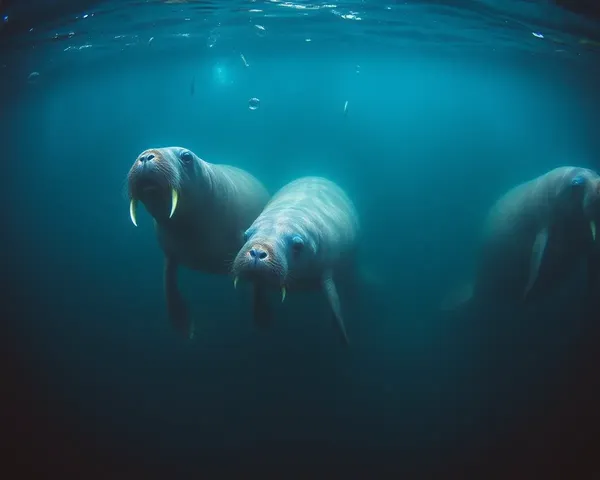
534 235
303 240
200 212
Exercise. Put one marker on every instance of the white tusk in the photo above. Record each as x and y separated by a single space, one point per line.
132 210
593 228
283 292
174 198
235 280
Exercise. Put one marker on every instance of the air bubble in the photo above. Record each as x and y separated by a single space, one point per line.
33 77
253 103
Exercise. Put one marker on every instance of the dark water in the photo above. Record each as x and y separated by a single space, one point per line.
449 105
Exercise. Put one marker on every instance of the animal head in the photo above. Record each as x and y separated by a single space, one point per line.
157 178
274 254
585 190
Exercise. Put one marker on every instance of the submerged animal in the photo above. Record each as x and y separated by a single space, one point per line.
534 236
200 212
305 239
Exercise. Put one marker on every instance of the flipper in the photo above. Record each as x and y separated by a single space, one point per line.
176 307
263 315
537 254
334 302
457 297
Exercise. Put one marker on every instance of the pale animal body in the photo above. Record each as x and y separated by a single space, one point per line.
305 239
534 236
200 212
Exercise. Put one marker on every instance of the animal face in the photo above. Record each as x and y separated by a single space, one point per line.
157 177
274 255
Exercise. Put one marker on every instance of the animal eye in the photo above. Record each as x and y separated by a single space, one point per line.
246 235
297 243
577 181
186 156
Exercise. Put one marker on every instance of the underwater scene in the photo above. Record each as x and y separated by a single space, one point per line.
322 238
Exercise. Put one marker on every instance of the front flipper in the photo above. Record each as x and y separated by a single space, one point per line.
537 254
334 302
176 307
263 315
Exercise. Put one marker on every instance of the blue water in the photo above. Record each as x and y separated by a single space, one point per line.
449 104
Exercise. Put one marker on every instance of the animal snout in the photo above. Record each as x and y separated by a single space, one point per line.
146 157
258 253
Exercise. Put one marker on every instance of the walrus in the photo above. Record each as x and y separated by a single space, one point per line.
200 212
534 236
302 240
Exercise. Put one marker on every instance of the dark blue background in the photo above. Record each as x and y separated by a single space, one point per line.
96 376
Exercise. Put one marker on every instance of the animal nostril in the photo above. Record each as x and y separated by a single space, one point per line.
146 158
258 253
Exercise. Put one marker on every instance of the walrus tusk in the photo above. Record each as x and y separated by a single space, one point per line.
283 292
593 228
132 209
174 198
235 280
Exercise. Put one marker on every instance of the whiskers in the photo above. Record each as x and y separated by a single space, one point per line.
290 278
229 262
277 270
160 174
269 270
170 175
